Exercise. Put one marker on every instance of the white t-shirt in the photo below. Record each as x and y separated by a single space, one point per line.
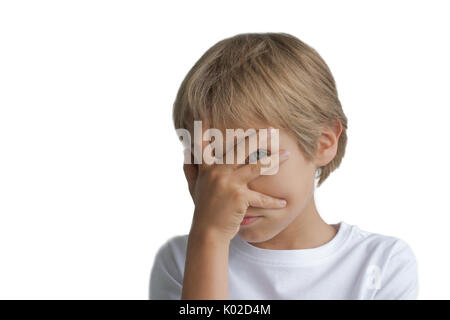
355 264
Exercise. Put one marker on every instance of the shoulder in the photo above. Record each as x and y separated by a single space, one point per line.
172 253
168 269
377 243
174 247
393 258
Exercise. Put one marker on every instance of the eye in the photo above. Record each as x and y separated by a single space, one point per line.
255 156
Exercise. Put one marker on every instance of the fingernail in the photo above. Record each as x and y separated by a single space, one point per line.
282 202
284 154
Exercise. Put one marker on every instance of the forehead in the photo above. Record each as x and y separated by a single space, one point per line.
199 134
233 127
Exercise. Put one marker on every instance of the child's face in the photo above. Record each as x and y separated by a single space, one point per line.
293 182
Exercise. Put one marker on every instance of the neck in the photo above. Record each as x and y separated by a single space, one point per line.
308 230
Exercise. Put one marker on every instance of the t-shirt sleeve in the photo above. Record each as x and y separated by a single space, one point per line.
399 279
164 277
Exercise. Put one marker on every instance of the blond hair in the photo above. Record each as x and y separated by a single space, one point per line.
273 78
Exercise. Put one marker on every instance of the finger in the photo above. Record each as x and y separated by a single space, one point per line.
260 200
200 151
235 153
250 172
206 147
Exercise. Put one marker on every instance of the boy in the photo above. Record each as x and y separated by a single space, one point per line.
256 236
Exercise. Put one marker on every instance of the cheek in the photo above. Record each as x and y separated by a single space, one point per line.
273 185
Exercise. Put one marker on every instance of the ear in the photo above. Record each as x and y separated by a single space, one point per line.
327 144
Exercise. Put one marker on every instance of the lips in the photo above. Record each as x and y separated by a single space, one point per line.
249 219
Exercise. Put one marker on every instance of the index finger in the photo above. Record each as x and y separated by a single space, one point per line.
201 148
250 172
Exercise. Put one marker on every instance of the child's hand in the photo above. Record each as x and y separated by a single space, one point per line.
221 195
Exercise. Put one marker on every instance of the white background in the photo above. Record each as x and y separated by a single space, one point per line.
91 180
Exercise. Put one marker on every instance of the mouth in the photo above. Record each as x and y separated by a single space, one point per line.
249 219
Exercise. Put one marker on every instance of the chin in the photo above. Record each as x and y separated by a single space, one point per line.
256 234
